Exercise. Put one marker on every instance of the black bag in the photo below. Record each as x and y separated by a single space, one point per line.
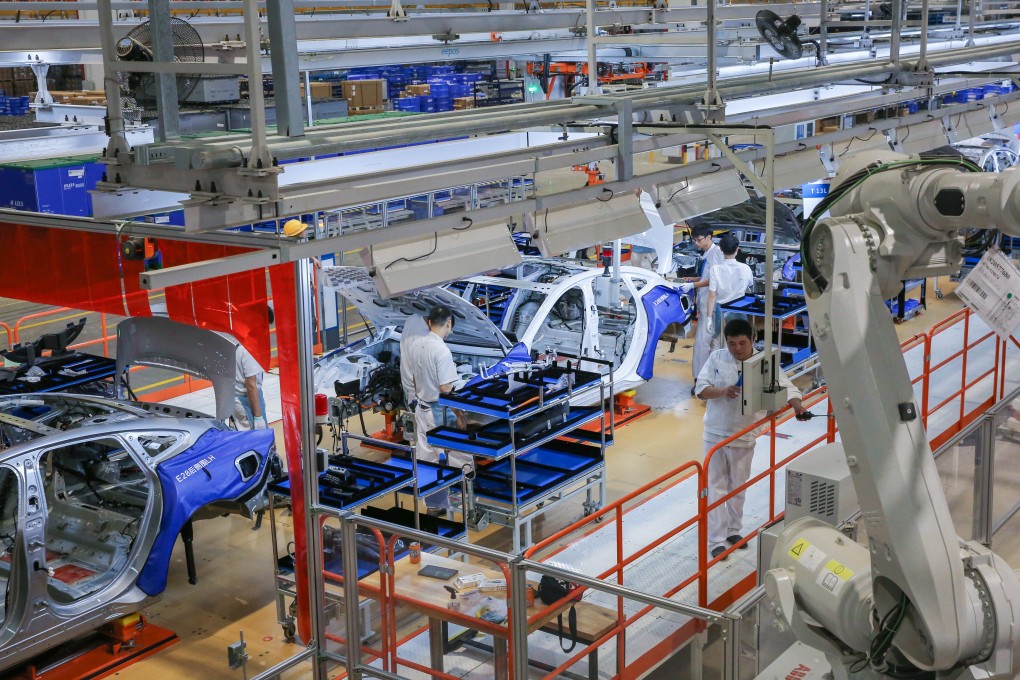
550 419
551 591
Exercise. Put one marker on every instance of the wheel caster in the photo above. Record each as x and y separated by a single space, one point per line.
289 631
939 295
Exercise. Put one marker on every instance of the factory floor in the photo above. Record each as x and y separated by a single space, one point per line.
235 589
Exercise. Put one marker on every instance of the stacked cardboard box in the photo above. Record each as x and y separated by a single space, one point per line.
461 103
417 91
365 96
319 90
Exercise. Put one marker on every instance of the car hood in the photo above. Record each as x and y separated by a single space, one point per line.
471 327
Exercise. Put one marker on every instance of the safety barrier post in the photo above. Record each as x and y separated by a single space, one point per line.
772 466
7 330
926 380
106 339
703 533
621 638
963 382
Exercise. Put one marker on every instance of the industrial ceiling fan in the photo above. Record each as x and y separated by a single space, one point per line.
781 34
137 46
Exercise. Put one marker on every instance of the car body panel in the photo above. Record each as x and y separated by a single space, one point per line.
97 506
546 304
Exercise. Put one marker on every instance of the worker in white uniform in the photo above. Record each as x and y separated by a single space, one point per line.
720 384
249 400
433 373
729 281
711 256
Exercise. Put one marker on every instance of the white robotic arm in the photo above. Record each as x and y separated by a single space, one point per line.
917 599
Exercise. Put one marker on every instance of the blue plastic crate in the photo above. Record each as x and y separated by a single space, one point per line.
420 208
57 186
412 104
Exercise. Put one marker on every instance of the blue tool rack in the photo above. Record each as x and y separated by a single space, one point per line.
519 478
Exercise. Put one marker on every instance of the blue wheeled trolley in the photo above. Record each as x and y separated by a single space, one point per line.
532 450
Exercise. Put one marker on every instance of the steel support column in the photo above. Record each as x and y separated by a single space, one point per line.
114 111
712 97
593 62
313 536
284 58
897 28
259 158
167 108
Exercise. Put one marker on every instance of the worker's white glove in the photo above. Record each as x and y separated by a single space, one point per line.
260 424
709 326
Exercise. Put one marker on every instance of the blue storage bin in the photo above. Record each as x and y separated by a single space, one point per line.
420 208
58 186
412 104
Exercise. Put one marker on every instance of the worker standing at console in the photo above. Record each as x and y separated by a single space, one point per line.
729 281
720 384
433 373
711 256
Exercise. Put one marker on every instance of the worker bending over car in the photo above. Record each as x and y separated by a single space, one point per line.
429 364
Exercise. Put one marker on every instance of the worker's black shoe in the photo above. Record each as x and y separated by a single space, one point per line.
718 551
734 539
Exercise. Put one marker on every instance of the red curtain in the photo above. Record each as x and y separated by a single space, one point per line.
282 277
84 270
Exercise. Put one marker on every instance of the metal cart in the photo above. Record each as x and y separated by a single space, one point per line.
523 473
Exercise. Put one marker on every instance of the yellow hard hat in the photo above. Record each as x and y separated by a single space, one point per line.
293 227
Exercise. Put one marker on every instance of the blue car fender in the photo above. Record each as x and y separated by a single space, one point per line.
663 305
217 467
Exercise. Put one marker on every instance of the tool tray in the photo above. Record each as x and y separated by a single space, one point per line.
490 397
754 305
366 481
493 440
539 472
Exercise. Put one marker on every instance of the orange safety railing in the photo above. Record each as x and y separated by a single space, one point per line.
971 354
977 363
8 334
616 511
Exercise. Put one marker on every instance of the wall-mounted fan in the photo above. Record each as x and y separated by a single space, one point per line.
781 34
137 46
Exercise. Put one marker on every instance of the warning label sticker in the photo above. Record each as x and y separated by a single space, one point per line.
834 576
807 554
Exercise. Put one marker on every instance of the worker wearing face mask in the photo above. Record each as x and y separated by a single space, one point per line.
711 256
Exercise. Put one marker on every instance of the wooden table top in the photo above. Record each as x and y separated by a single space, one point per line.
430 597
